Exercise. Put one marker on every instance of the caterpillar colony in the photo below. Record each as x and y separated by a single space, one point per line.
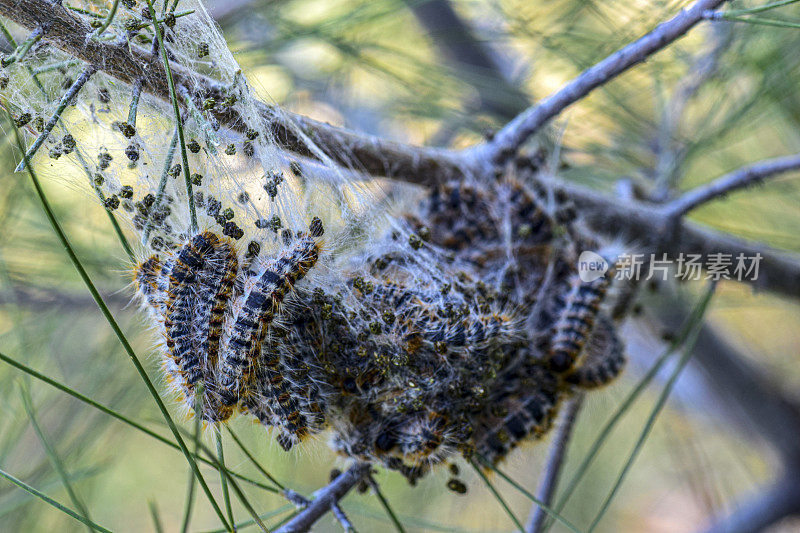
452 321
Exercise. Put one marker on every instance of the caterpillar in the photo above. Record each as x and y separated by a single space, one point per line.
575 322
261 301
604 357
516 417
186 293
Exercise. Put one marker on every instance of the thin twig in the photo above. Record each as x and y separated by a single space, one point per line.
301 502
738 179
62 105
508 140
555 460
342 518
325 498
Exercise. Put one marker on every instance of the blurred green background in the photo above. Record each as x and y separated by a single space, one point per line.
377 66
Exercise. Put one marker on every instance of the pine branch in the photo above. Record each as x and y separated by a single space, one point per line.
555 461
738 179
326 498
653 230
507 141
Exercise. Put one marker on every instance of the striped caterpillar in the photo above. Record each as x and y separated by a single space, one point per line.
206 339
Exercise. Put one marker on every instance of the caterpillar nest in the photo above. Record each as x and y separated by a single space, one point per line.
282 291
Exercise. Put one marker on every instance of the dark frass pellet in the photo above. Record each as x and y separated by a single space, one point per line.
111 203
22 119
227 213
272 189
132 152
196 179
103 95
130 4
38 123
202 49
125 128
253 249
214 207
126 191
193 146
56 151
457 486
209 104
231 149
68 141
231 229
248 149
99 179
275 223
251 134
243 198
169 20
175 170
414 241
104 160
